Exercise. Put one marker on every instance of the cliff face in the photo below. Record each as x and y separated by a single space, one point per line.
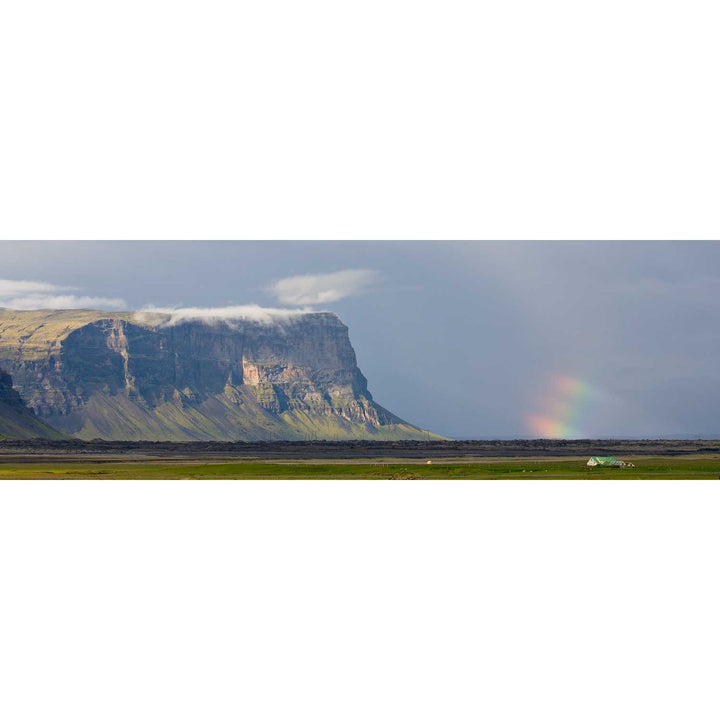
17 421
126 376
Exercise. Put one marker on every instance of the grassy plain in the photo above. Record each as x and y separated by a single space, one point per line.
648 467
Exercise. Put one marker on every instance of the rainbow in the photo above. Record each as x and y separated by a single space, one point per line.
561 409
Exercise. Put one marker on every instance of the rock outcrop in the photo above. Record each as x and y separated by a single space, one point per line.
17 420
132 376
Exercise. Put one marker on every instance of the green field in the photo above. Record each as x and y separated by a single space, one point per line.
487 469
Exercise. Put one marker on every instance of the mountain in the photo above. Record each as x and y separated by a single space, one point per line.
17 420
163 376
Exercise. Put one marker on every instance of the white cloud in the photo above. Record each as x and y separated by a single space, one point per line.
30 295
63 302
16 288
325 288
174 316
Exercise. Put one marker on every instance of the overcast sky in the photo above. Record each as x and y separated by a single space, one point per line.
486 340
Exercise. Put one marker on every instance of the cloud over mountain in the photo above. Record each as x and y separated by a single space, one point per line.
168 317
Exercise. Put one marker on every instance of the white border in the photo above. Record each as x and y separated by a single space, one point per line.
550 599
330 120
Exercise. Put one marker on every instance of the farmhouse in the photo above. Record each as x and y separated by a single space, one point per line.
598 461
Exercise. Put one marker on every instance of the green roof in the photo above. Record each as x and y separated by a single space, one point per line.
605 460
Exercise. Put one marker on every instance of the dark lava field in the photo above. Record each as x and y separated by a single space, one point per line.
356 449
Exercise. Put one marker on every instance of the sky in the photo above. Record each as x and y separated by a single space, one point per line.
467 339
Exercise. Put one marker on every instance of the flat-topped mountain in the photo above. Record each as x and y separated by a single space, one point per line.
17 420
181 376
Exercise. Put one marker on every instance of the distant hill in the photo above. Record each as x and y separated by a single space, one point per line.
152 376
17 420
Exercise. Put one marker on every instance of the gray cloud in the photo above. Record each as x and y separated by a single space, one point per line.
466 339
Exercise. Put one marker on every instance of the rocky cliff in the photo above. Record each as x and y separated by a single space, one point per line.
129 376
17 421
